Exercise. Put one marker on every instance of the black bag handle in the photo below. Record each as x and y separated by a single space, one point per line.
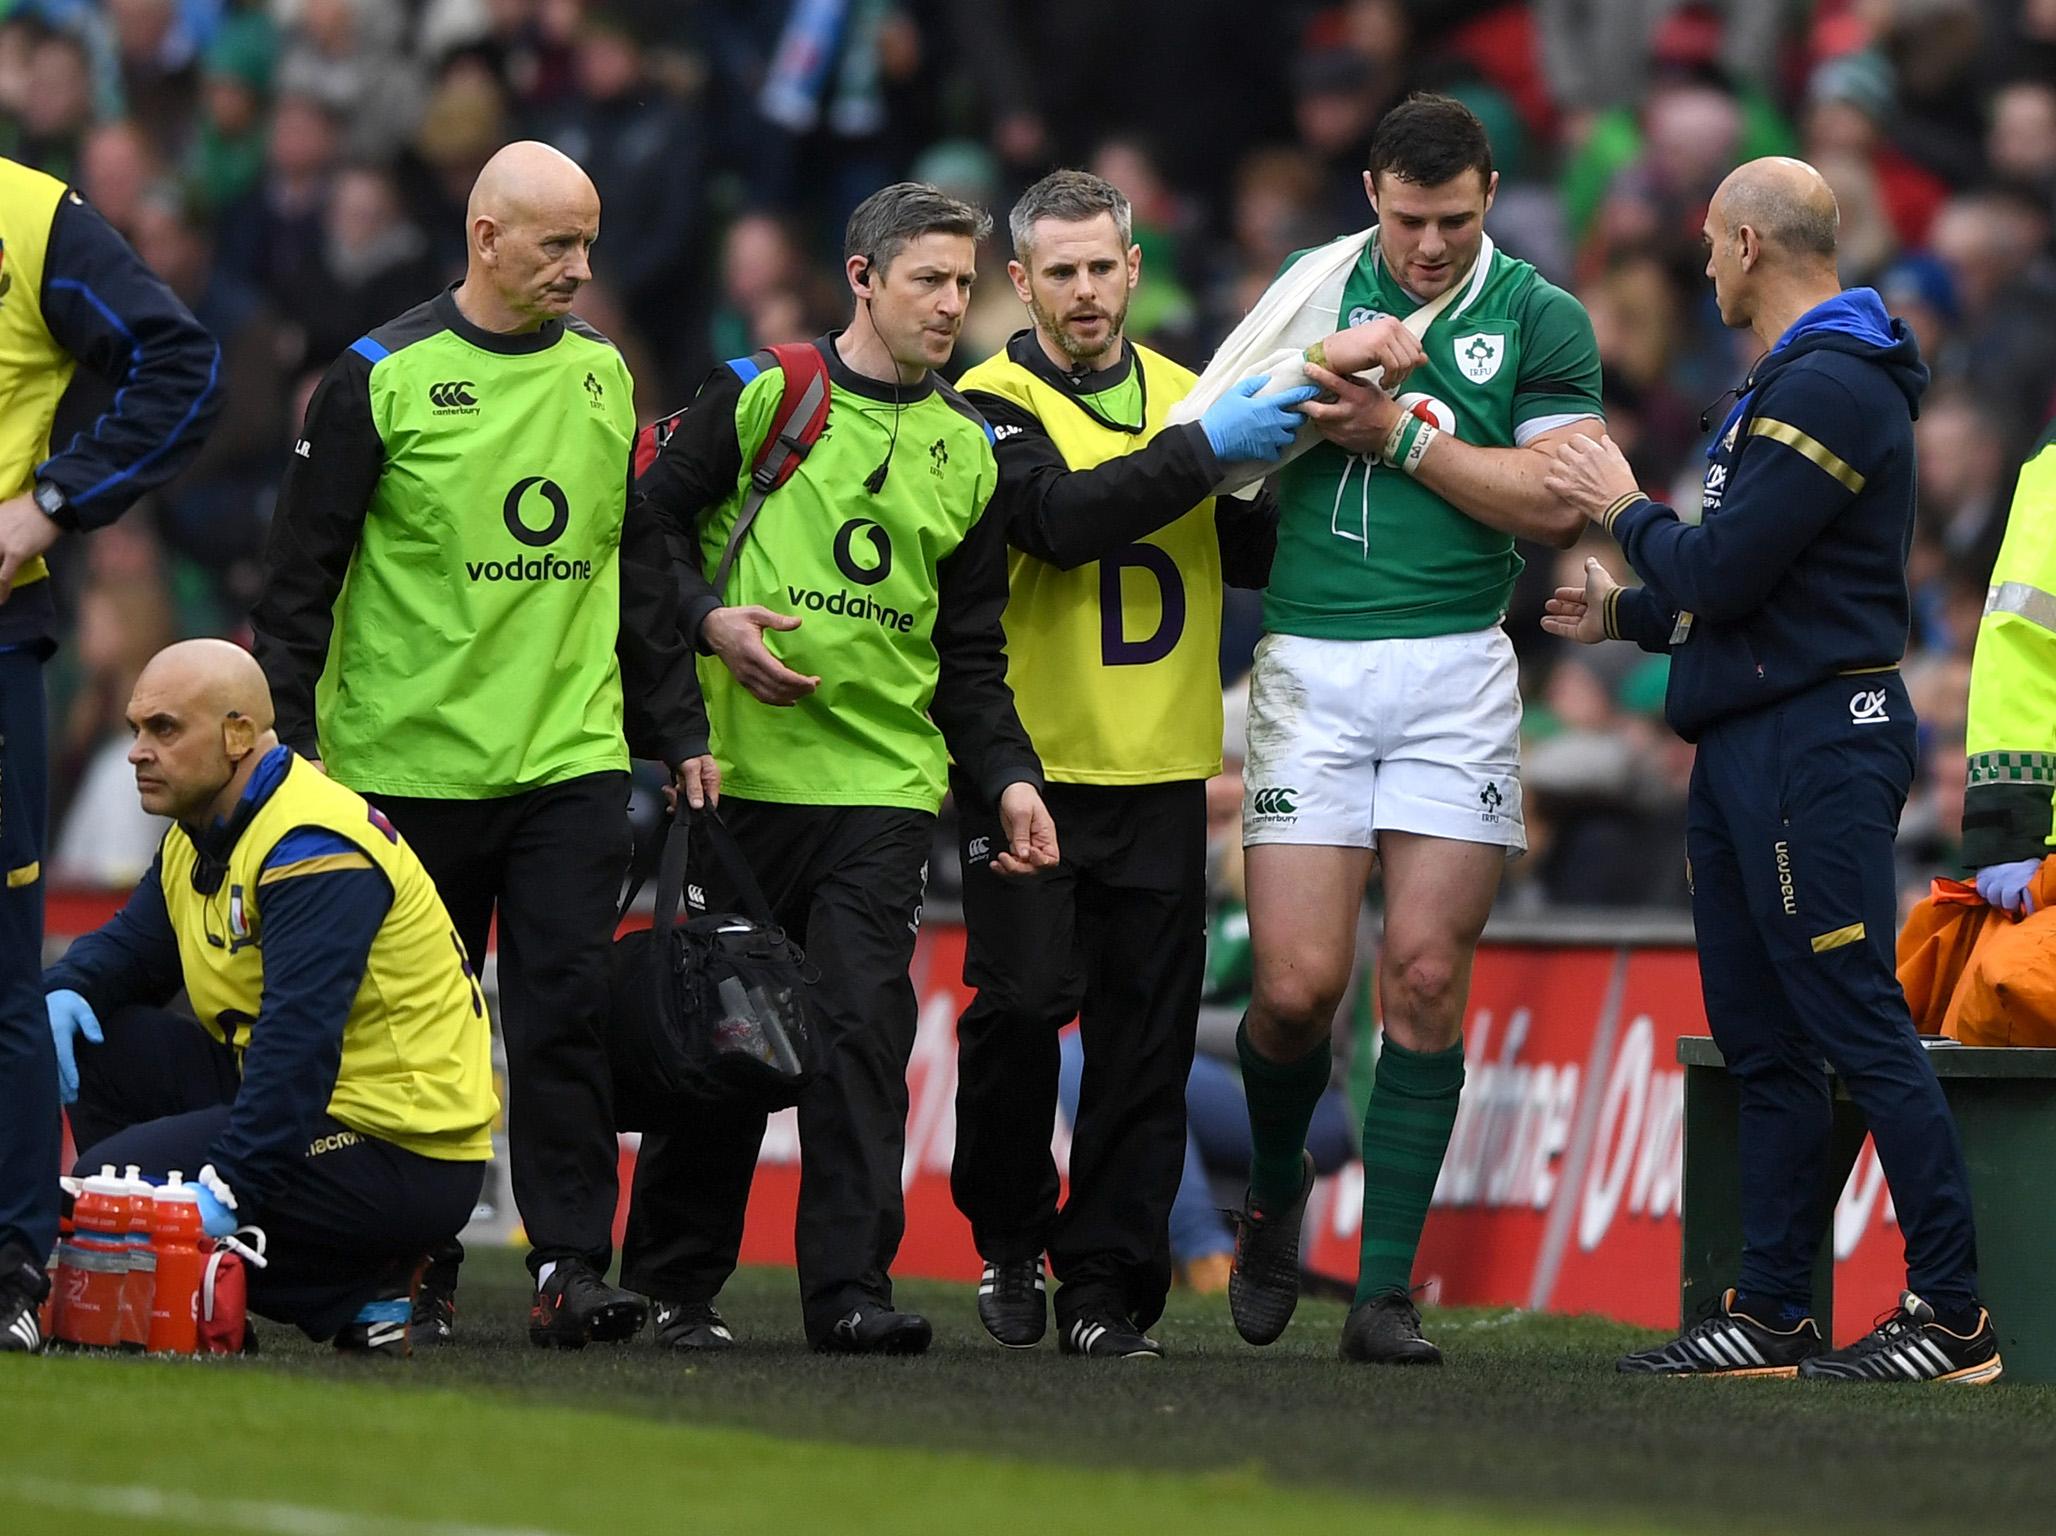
672 869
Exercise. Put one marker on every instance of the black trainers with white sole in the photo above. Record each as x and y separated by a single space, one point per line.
876 1330
1730 1342
1108 1337
1263 1284
1910 1344
1013 1302
693 1325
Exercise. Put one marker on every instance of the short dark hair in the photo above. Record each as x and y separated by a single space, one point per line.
1070 197
886 221
1428 140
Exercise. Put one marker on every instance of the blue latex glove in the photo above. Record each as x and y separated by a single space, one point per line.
217 1218
1240 427
70 1017
2006 885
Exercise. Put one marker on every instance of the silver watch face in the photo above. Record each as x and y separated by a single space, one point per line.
49 498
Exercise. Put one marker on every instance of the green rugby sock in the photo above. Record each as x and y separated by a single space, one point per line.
1282 1096
1406 1131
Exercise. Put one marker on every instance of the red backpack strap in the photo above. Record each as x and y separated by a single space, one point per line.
652 439
801 417
797 424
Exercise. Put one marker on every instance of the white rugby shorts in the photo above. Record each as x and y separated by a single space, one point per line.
1350 738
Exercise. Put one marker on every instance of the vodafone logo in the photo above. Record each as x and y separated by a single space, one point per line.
1638 1157
1436 413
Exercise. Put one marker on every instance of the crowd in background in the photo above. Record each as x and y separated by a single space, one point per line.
297 170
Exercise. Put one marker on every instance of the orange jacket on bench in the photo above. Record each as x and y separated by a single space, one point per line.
1977 974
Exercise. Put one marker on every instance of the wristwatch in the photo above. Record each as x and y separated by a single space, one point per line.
55 505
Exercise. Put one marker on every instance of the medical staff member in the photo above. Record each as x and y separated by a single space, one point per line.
71 292
1784 612
336 1090
2008 820
1118 559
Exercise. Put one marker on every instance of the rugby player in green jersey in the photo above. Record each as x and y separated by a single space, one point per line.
1384 717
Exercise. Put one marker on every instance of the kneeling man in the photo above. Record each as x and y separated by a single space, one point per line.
337 1089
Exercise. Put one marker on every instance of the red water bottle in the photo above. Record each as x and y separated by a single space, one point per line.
139 1284
92 1269
178 1238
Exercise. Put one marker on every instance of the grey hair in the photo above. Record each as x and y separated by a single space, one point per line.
892 217
1070 197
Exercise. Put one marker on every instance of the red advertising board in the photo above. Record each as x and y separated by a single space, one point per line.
1532 1019
1561 1189
938 1239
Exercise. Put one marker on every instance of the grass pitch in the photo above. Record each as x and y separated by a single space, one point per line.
1527 1430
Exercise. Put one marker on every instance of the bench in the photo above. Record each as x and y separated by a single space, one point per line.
2004 1101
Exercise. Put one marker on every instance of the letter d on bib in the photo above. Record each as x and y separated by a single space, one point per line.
1116 649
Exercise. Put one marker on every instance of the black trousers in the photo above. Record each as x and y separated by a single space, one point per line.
1792 816
845 883
1115 935
30 1128
356 1215
550 862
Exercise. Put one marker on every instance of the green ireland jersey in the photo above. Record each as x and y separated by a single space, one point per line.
866 573
1368 553
473 650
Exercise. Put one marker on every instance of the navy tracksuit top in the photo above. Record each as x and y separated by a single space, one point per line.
1797 570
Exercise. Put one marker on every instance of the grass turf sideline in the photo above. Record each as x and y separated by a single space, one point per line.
1527 1429
170 1446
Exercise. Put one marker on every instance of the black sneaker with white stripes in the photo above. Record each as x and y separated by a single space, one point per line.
23 1286
1012 1302
691 1325
1730 1343
1263 1284
1911 1344
1108 1336
19 1329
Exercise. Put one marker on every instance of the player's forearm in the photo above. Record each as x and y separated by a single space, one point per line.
1501 488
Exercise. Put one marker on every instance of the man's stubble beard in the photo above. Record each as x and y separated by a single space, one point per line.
1048 324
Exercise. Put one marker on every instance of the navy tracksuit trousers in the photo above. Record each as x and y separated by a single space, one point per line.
352 1219
30 1130
1793 812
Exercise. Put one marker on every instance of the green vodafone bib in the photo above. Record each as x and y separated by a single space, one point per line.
860 571
473 653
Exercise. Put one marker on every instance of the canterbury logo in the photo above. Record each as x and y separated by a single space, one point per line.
1275 802
452 395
